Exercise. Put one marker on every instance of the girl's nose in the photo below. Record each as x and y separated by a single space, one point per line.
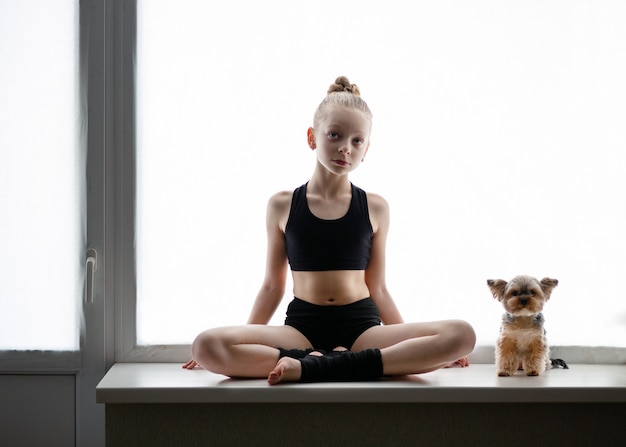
345 148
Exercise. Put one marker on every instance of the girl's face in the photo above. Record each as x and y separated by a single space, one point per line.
341 139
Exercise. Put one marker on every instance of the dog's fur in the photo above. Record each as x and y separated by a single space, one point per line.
522 343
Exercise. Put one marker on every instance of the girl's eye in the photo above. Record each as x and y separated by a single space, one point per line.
333 135
358 141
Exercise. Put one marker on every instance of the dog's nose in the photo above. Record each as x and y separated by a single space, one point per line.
523 301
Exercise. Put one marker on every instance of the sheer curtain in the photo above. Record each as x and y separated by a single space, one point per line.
41 187
498 142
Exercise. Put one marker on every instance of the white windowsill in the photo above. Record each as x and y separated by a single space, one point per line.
136 383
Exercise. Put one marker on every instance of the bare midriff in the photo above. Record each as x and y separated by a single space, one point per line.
330 288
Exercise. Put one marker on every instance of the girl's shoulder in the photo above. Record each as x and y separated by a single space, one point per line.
376 202
278 207
379 211
280 200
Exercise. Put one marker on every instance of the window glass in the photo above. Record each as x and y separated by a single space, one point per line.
41 188
497 140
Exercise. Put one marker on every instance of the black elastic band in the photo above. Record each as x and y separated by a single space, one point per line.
294 353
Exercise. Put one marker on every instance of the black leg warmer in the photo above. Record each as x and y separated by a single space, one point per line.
342 366
294 353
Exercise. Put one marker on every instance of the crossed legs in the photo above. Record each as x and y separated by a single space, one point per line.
252 351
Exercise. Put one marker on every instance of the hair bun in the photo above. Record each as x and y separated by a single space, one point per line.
342 84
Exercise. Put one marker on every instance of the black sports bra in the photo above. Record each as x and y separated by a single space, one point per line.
315 244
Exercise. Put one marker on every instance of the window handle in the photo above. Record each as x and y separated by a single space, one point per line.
91 267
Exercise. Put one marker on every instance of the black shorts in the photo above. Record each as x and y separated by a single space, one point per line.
327 327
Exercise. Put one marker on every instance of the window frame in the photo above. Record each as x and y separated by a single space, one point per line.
62 361
126 348
95 353
123 192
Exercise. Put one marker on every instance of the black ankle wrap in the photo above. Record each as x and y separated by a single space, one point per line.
342 366
294 353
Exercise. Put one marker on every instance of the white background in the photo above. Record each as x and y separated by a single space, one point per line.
498 140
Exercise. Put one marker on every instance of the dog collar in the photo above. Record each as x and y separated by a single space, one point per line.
537 319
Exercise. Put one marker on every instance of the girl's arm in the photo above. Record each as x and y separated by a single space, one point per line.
273 287
375 273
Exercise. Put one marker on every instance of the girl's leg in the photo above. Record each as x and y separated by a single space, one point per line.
249 351
414 348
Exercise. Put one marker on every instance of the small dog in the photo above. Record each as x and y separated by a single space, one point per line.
522 343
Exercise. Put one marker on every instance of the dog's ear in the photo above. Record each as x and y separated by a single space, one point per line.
547 284
497 287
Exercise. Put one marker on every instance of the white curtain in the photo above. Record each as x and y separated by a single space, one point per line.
498 140
41 186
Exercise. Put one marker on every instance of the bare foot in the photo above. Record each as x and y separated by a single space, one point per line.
462 362
286 370
191 364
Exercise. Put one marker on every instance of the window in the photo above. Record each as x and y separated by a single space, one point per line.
497 140
41 186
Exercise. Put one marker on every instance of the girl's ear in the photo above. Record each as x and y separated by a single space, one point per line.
310 134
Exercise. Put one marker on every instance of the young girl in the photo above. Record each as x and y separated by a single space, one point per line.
333 236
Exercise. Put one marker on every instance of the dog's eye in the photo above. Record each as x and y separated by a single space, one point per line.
532 293
515 293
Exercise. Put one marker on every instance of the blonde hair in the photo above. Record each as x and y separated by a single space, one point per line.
342 94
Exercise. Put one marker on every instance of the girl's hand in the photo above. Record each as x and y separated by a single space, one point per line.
191 364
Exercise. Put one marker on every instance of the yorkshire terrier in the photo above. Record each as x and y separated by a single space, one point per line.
522 343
